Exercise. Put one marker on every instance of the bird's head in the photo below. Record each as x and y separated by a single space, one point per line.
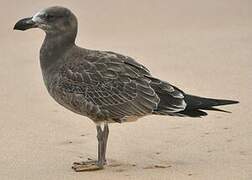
53 20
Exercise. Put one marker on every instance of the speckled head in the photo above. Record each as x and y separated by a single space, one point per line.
53 20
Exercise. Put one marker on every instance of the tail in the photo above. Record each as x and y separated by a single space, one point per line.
195 104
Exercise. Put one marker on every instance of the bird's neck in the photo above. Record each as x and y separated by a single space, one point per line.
54 47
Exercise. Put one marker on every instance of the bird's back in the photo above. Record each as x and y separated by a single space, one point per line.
103 86
108 86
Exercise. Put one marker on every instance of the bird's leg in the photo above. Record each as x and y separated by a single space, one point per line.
102 137
105 136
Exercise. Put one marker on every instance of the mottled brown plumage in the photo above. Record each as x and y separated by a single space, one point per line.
104 86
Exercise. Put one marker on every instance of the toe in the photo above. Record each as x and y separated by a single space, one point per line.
86 166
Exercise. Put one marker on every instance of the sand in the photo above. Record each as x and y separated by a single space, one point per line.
203 47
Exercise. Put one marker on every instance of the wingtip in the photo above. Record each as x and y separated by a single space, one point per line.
232 102
236 102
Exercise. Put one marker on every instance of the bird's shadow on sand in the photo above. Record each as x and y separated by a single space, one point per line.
119 167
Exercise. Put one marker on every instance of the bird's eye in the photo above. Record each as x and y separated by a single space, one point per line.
49 16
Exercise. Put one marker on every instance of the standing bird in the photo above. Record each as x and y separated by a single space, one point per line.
105 86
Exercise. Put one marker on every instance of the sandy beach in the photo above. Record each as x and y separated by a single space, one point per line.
202 47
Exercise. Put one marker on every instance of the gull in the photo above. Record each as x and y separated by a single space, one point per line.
104 86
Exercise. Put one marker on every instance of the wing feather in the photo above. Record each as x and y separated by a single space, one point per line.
108 85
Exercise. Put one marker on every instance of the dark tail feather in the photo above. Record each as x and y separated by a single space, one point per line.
195 104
